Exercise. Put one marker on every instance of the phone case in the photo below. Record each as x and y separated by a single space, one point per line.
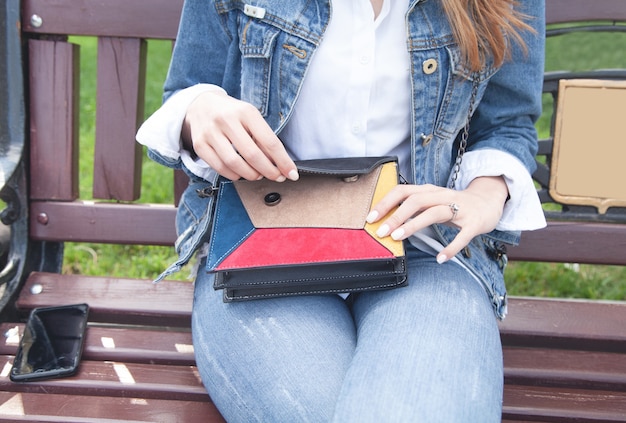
52 343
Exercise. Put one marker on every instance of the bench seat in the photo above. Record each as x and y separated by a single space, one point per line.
562 357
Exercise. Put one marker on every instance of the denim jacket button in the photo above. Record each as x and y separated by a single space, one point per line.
429 66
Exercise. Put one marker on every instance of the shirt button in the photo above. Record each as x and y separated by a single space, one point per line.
365 60
356 128
429 66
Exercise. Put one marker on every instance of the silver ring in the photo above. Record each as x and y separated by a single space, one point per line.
454 208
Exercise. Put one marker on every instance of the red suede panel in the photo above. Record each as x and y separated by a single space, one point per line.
275 247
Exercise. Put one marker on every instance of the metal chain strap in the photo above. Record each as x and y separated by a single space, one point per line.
464 135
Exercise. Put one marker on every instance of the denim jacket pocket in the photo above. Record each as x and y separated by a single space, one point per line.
257 41
456 96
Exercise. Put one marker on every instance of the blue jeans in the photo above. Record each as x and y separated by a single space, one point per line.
424 353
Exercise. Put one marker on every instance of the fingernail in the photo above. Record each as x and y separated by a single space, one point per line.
382 231
442 258
294 175
281 178
397 234
371 218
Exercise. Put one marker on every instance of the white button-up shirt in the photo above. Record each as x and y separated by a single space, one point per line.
356 98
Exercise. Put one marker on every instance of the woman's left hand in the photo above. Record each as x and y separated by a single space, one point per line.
475 210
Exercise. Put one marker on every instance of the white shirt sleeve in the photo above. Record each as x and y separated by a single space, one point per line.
523 210
161 131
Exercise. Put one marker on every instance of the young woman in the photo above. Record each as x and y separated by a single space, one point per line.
254 86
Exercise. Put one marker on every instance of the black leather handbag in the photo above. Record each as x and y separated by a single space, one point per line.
273 239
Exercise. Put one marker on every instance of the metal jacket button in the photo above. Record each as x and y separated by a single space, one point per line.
429 66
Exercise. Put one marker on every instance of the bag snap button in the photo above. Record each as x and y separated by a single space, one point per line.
272 199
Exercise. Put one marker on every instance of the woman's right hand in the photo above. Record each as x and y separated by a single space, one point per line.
232 137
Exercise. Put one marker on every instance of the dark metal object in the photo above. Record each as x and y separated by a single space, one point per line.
12 123
18 256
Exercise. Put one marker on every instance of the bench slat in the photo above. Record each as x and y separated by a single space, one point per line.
159 18
581 10
570 242
113 300
17 407
585 325
80 221
84 221
564 368
112 379
129 345
120 108
115 18
547 404
53 120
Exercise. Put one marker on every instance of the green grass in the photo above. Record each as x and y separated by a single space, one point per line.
567 280
526 279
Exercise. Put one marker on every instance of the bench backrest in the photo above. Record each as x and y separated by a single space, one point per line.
122 28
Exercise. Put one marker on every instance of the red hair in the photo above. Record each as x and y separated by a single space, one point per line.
483 28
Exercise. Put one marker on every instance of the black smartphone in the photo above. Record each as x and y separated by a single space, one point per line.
52 343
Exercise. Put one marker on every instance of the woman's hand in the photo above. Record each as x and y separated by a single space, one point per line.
232 137
478 211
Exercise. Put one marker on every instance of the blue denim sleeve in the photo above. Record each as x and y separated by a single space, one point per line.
201 49
511 103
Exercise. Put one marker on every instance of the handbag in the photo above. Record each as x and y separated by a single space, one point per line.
272 239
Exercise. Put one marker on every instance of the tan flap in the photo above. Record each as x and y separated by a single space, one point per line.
589 151
313 201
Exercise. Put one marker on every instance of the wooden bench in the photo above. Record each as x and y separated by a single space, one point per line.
565 360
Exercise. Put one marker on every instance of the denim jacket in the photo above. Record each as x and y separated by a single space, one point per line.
260 51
